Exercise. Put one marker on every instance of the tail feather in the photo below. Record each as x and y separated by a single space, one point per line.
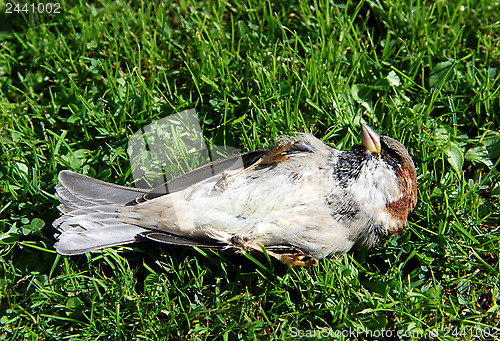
99 215
76 190
78 240
90 214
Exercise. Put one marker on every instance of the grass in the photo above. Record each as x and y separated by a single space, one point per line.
75 86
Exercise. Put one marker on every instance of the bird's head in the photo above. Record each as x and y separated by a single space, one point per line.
390 152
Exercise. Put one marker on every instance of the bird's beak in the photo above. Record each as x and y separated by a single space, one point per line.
370 139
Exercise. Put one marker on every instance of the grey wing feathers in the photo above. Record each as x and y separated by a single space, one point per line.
170 239
203 173
90 208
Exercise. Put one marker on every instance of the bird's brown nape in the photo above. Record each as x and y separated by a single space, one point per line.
408 185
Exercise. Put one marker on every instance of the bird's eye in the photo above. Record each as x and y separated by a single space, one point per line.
390 156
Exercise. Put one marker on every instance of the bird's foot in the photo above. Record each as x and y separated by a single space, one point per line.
298 259
245 243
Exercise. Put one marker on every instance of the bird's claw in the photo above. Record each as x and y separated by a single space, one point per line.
298 259
245 243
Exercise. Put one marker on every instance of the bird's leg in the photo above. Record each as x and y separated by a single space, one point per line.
298 259
290 259
276 155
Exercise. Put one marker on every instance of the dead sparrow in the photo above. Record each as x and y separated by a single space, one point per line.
299 202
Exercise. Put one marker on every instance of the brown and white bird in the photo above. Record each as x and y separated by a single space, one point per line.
299 201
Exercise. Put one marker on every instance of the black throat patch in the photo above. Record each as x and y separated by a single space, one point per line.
348 165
